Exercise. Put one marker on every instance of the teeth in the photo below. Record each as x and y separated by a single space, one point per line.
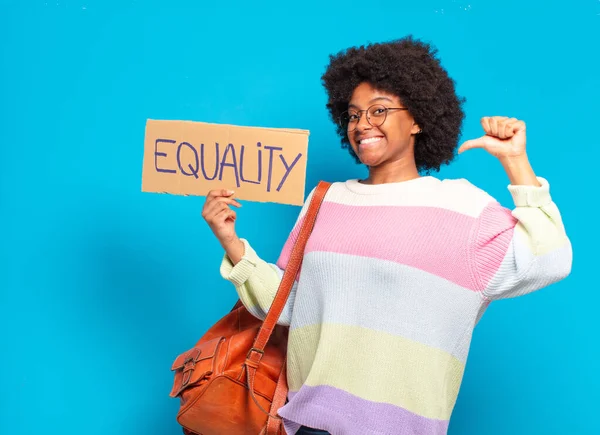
370 140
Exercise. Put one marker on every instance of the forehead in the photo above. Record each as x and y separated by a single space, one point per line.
365 95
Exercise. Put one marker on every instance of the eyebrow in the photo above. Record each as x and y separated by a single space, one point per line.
372 101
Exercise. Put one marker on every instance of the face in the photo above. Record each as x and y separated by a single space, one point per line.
391 141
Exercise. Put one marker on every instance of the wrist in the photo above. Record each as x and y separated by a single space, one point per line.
519 170
518 160
230 242
235 248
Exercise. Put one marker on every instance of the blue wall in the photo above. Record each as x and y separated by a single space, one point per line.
103 285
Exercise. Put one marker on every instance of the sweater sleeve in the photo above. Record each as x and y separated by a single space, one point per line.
515 252
257 281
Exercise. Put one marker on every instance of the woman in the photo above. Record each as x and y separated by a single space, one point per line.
400 266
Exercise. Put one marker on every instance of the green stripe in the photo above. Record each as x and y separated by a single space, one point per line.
376 366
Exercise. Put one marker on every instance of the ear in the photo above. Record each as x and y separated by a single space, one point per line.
415 129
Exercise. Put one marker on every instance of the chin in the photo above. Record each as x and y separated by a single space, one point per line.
369 160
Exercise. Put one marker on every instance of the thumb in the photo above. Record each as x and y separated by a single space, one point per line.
473 143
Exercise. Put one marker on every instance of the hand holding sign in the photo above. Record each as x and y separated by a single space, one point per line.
219 216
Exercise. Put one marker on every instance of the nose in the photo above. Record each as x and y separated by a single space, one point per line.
363 123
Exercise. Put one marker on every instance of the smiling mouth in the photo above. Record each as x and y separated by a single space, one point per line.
370 140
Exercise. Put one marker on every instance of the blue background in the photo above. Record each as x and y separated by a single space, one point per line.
103 285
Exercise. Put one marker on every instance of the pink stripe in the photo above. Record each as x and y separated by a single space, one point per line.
432 239
286 252
496 226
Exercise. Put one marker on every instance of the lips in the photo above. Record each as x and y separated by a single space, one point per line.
367 142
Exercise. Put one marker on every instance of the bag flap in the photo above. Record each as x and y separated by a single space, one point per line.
193 366
201 351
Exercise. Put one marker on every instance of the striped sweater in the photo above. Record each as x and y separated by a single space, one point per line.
394 279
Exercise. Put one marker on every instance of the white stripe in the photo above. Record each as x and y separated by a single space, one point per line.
522 272
386 296
454 195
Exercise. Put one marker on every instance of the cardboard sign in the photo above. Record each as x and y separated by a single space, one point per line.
192 158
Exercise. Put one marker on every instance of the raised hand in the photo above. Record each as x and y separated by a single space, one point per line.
504 138
220 217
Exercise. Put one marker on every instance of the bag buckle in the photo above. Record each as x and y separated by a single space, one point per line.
262 352
188 367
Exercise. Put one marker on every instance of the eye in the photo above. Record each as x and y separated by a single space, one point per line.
379 111
352 117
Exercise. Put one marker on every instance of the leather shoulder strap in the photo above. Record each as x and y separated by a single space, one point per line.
285 287
291 270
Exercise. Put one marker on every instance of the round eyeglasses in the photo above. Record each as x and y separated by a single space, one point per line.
376 115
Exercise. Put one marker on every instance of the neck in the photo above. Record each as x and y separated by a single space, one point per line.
393 172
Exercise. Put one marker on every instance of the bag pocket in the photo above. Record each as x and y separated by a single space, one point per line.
193 366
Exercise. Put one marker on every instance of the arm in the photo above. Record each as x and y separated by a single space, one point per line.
257 281
519 251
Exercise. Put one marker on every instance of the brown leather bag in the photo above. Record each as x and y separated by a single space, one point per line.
233 381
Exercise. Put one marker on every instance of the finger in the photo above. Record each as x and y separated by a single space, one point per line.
493 126
209 207
221 203
231 216
214 206
213 195
485 123
509 129
519 126
219 192
214 210
234 202
225 215
229 200
502 124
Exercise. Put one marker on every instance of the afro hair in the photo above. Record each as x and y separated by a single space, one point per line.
409 69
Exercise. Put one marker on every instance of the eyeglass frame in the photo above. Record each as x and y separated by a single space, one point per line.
360 112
